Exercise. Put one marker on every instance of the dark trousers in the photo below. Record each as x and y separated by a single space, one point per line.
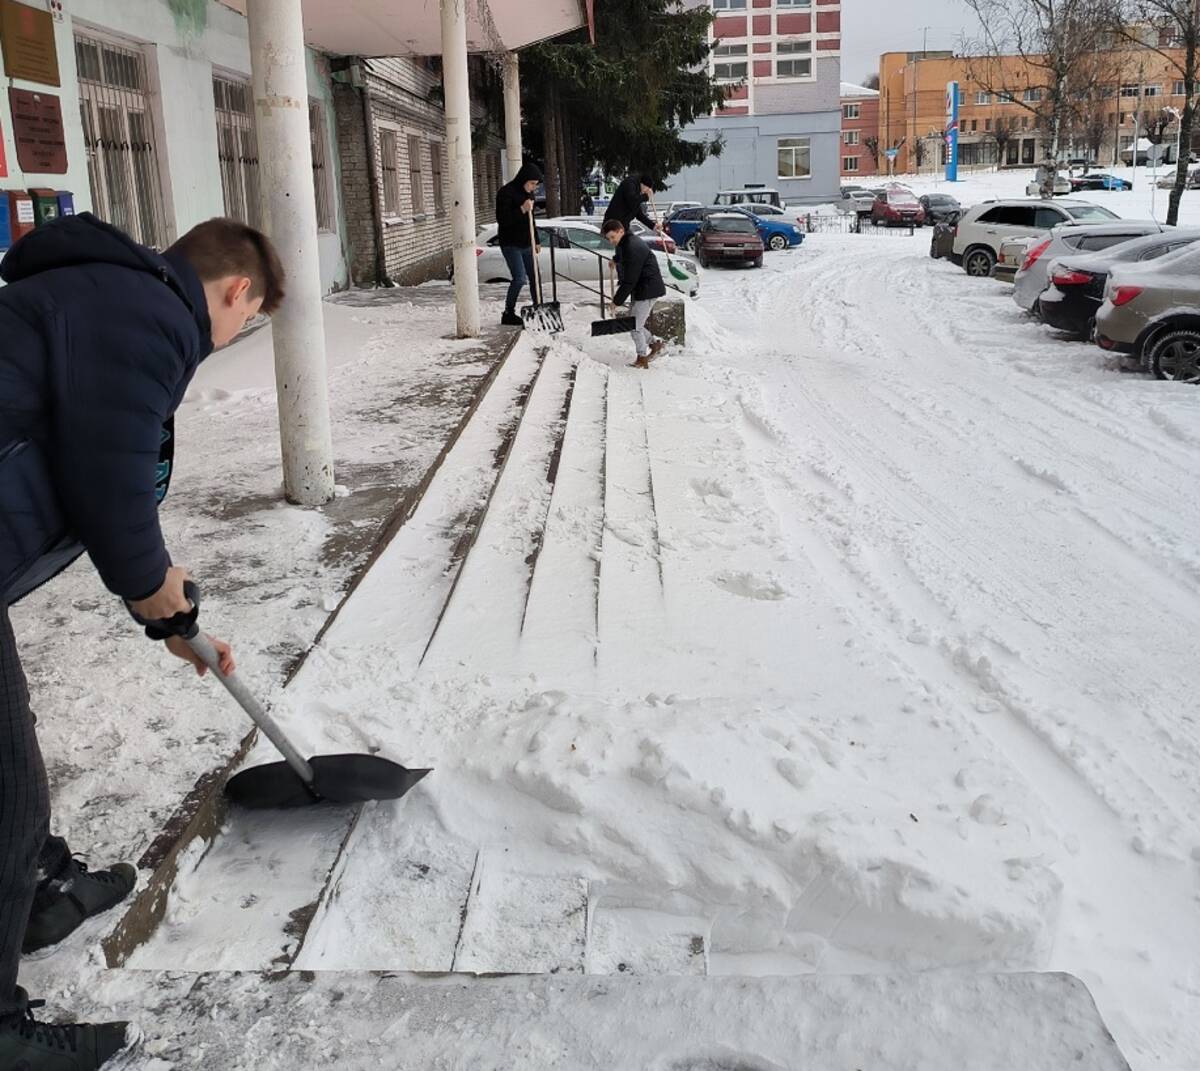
520 267
24 812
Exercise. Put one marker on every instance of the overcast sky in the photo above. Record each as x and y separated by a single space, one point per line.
870 27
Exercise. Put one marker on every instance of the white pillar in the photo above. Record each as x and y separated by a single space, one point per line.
512 114
280 84
458 145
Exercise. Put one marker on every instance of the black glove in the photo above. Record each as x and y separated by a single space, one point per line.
180 624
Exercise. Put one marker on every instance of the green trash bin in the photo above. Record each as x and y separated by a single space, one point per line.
45 205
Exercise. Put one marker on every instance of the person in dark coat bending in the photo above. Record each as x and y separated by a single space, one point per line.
514 208
638 277
99 338
628 202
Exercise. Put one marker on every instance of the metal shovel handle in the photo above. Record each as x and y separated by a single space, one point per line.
246 699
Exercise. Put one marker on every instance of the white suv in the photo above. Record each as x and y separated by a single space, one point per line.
984 227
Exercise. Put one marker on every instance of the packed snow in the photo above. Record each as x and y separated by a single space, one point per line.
860 638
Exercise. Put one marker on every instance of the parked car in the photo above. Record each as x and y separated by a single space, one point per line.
1167 182
1032 278
758 195
1062 186
1012 256
897 206
1077 282
942 243
729 238
776 231
861 201
1151 313
939 206
675 206
664 243
684 227
576 246
984 226
1100 180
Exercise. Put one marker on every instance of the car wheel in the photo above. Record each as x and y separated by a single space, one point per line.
703 262
1175 355
692 244
778 242
979 262
756 263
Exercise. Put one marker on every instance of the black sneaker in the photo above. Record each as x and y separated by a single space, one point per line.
72 896
511 319
28 1045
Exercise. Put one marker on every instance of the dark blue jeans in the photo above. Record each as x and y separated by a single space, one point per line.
520 267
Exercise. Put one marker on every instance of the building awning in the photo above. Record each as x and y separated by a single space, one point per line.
414 27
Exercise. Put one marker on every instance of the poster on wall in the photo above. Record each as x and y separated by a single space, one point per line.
38 131
27 41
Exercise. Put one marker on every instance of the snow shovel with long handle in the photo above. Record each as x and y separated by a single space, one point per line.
295 782
616 325
542 315
676 271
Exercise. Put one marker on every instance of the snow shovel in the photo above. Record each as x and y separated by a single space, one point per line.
676 271
617 325
295 782
542 316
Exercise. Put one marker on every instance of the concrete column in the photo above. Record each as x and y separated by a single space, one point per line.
458 146
280 84
513 154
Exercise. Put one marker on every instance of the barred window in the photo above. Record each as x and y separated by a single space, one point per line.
320 163
391 180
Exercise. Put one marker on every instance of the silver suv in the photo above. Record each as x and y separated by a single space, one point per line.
983 227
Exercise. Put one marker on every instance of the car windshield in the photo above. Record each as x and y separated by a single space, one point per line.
1139 248
739 226
1089 212
941 199
901 197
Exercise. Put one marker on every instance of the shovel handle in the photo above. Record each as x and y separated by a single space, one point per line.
537 271
204 648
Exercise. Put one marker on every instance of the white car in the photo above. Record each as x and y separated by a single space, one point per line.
578 251
983 227
1033 276
1062 185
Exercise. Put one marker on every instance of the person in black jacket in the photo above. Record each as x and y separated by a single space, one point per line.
514 208
628 200
638 277
99 338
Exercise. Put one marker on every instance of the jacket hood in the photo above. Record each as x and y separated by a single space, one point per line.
73 241
527 172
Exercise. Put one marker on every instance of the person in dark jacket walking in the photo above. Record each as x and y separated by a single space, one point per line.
514 208
628 200
638 277
99 338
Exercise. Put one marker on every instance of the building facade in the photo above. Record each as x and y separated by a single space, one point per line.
1001 129
861 151
781 121
391 137
157 127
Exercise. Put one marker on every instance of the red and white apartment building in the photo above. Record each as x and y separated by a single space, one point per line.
781 122
860 121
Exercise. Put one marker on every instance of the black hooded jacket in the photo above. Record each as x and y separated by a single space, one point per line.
512 223
99 338
627 201
637 271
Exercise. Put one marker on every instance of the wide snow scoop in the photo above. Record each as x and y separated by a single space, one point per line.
542 315
295 782
616 325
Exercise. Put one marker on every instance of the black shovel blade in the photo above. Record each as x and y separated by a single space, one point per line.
336 779
621 325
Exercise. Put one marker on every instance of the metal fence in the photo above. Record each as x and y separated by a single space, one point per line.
119 135
849 223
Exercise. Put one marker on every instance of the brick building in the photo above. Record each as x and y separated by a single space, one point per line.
860 124
391 135
781 60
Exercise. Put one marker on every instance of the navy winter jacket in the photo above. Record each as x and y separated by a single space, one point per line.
99 338
627 201
637 271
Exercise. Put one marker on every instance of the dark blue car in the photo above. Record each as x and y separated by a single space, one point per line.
775 233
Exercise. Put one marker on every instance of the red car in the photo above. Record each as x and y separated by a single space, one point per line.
729 238
895 207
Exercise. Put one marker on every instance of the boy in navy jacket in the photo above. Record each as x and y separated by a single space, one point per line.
99 338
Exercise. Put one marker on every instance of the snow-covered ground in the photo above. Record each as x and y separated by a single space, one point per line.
862 639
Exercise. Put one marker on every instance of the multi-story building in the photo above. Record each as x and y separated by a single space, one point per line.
861 151
781 121
1002 128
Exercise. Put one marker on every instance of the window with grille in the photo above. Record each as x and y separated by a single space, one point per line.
850 111
237 150
320 162
414 174
793 59
729 63
793 156
849 163
389 165
119 138
435 171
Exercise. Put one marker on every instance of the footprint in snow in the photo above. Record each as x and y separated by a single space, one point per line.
749 586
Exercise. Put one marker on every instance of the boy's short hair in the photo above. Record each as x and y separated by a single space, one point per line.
219 248
611 225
